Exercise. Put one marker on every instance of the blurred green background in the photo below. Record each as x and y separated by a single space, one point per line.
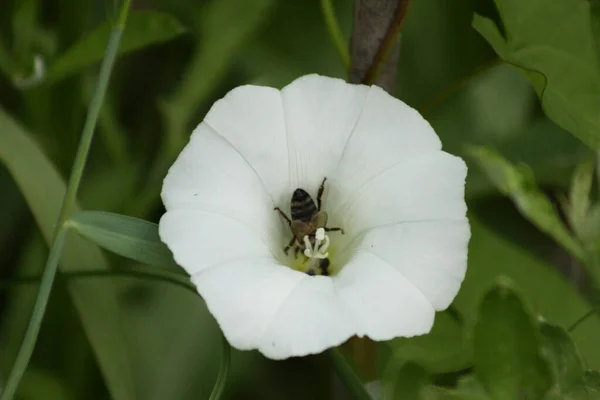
197 51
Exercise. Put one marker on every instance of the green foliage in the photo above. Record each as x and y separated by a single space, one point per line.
154 340
127 236
97 302
552 43
507 348
564 361
491 256
144 28
519 183
444 349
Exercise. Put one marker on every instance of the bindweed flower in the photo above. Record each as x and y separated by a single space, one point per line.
377 235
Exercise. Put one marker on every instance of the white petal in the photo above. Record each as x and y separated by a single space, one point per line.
388 132
250 118
281 312
210 175
320 115
382 301
432 256
429 187
200 240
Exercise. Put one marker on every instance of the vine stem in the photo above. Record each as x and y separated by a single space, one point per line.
335 32
387 43
58 241
347 375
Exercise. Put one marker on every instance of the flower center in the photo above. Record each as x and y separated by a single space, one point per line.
319 250
313 255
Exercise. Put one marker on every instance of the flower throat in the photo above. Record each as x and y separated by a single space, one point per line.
308 224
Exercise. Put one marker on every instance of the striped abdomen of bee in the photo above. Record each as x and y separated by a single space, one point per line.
303 206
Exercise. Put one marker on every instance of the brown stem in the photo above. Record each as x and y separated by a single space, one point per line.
375 44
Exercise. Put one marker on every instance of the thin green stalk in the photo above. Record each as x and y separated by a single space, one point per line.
58 241
348 376
152 275
335 32
580 320
221 381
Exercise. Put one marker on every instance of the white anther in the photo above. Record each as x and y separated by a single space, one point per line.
320 234
317 251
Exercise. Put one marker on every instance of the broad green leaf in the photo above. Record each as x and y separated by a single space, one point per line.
127 236
552 43
96 301
518 183
492 255
444 349
507 348
144 28
564 361
493 109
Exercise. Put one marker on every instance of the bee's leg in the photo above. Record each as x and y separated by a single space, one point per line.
335 230
287 248
289 221
320 193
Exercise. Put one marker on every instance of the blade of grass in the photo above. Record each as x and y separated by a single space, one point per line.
68 204
335 32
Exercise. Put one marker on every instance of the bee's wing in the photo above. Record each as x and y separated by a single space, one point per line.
319 220
300 229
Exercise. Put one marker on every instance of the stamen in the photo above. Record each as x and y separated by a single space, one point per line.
317 251
320 234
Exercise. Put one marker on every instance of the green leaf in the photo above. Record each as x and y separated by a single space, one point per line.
143 28
579 199
560 351
570 380
518 183
127 236
444 349
507 348
492 255
552 44
96 301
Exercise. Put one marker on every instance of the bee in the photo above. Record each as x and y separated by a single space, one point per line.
307 217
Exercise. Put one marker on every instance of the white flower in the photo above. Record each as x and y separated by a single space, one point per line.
396 195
